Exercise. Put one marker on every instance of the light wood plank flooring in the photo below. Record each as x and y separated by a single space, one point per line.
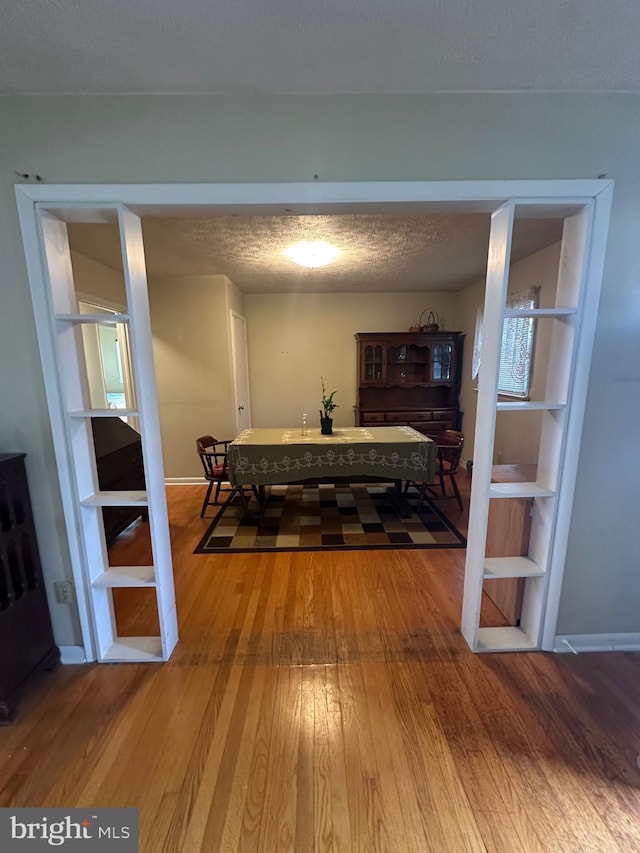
327 702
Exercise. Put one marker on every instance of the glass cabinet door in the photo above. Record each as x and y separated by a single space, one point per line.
373 363
436 369
447 360
442 362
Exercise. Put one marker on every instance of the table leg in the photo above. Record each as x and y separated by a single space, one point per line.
398 500
261 499
243 498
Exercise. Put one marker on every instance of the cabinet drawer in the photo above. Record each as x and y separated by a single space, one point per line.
431 427
443 415
420 416
401 417
372 417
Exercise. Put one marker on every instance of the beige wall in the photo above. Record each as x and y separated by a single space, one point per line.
191 347
351 138
96 280
467 304
192 359
289 350
294 339
234 298
517 434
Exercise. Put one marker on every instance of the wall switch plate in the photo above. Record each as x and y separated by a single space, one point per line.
64 592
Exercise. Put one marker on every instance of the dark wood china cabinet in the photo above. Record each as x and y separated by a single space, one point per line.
410 378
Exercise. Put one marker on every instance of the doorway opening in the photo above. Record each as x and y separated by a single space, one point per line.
484 199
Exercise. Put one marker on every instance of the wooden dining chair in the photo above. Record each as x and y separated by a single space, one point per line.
449 444
213 455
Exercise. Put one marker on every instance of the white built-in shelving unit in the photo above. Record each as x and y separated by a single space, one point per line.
546 547
70 405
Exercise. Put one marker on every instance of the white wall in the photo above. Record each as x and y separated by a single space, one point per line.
435 137
294 339
601 587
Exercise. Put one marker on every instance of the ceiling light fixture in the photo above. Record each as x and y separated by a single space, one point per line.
312 253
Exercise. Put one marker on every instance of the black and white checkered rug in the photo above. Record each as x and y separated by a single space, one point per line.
334 517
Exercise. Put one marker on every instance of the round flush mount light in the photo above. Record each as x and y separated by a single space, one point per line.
312 253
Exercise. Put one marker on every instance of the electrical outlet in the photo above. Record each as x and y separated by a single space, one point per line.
64 592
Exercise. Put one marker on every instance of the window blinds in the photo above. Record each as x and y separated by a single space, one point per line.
516 354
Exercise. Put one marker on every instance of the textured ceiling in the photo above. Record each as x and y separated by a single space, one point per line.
379 252
213 46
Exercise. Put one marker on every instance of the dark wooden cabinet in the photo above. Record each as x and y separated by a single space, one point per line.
26 637
410 378
120 468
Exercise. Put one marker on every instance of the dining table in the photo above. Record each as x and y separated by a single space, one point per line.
271 456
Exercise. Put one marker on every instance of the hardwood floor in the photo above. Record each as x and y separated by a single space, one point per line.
327 701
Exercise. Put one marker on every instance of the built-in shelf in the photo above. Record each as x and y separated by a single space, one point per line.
140 649
519 490
105 413
519 513
127 576
123 498
101 319
540 312
508 639
105 482
528 406
511 567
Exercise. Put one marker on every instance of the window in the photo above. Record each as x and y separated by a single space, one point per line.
516 355
108 360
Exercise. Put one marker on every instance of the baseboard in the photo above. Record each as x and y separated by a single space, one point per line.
577 643
72 654
185 481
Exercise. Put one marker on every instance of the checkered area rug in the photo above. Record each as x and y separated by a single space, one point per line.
328 517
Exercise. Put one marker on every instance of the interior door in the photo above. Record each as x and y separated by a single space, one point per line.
240 371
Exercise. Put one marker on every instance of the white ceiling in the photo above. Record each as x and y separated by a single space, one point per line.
380 252
258 47
307 46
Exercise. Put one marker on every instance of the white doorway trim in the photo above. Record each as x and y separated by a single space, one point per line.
471 196
240 369
81 200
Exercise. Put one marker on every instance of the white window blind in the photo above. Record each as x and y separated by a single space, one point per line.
516 354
